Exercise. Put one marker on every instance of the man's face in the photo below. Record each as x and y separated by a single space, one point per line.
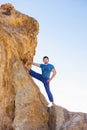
45 60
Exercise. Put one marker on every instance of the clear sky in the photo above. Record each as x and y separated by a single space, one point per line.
62 37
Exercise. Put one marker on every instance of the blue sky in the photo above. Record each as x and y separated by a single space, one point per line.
63 37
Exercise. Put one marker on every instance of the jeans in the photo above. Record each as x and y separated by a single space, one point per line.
44 81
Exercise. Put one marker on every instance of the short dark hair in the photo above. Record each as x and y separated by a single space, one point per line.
45 57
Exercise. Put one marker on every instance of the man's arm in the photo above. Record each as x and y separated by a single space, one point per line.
53 75
36 64
33 63
30 62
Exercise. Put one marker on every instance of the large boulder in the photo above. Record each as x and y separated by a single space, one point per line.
62 119
22 106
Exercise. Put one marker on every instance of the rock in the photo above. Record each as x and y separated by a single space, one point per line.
22 106
62 119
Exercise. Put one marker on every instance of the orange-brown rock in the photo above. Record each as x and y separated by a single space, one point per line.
22 106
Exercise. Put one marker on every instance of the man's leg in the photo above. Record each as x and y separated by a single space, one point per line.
46 84
47 88
35 75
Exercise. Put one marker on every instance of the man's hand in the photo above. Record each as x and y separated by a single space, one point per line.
29 62
53 75
26 66
49 80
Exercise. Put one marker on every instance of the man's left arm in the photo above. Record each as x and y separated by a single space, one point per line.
53 74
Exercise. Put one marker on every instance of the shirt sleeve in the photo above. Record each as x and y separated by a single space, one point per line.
52 67
41 65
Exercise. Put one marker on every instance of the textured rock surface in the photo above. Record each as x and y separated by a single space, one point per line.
22 106
62 119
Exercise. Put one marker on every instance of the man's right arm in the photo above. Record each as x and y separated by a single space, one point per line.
33 63
36 64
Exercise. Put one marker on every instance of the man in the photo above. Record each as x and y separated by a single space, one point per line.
45 78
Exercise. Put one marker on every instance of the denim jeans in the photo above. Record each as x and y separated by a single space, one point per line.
44 81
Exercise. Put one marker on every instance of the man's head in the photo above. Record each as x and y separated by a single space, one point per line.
45 59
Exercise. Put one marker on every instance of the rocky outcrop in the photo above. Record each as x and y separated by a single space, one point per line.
22 106
62 119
